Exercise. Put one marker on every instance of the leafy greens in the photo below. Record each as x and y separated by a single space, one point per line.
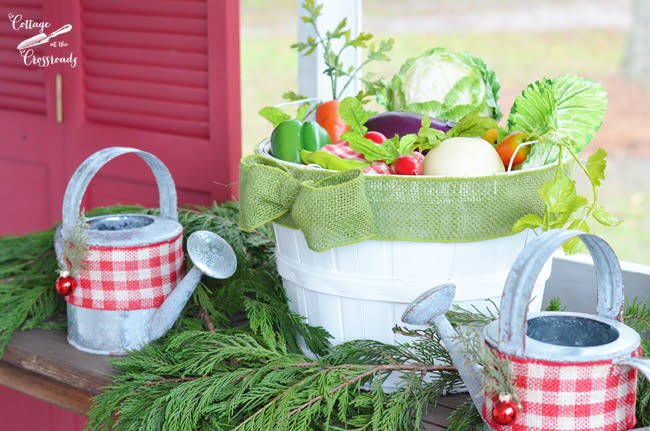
571 107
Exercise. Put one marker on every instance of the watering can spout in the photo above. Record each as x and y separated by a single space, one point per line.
167 314
430 308
211 256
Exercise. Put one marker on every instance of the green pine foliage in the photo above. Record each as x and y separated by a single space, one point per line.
75 248
28 270
643 392
199 380
466 418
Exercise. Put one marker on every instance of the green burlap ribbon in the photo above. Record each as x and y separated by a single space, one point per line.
336 209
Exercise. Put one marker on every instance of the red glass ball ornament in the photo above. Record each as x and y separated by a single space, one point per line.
504 411
65 285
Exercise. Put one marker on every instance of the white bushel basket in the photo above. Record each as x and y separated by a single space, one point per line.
360 291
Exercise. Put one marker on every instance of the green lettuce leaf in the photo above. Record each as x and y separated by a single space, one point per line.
472 125
492 84
274 115
570 107
351 111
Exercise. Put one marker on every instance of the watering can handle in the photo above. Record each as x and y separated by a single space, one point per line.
519 284
87 170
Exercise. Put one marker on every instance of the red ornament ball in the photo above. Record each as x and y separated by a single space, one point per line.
504 411
65 285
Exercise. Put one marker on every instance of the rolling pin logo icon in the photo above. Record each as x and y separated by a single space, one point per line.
41 38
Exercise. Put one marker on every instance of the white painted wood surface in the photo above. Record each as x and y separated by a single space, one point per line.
312 82
574 281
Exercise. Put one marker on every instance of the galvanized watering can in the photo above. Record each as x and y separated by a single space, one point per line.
132 289
571 371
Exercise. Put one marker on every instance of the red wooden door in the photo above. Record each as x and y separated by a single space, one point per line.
161 76
31 162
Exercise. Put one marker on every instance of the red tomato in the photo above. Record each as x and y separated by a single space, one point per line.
375 137
327 115
408 165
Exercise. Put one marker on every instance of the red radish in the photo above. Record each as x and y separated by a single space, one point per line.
375 137
408 165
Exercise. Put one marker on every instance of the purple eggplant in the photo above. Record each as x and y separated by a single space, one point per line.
403 123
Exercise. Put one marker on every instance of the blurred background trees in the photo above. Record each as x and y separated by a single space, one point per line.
637 53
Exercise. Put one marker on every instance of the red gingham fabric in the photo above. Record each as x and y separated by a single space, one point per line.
129 278
343 151
555 396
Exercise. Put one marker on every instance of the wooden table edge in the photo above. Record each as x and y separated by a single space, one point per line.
43 365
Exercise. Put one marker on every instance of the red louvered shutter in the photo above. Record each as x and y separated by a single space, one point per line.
163 77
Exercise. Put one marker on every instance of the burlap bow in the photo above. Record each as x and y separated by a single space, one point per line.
331 212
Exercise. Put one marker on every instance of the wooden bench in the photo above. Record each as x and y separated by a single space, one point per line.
42 364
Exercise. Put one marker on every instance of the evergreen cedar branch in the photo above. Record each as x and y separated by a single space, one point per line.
232 362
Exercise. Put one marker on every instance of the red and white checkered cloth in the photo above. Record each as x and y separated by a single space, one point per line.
343 151
571 397
129 278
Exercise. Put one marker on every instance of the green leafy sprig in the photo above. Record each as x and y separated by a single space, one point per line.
564 207
75 249
497 371
341 35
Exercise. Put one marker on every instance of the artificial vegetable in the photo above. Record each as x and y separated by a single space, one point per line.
492 135
291 136
507 147
403 123
285 141
463 157
408 165
330 161
327 115
375 137
313 137
446 85
568 109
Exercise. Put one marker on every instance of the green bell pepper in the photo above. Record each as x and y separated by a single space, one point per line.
291 136
313 137
285 141
330 161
